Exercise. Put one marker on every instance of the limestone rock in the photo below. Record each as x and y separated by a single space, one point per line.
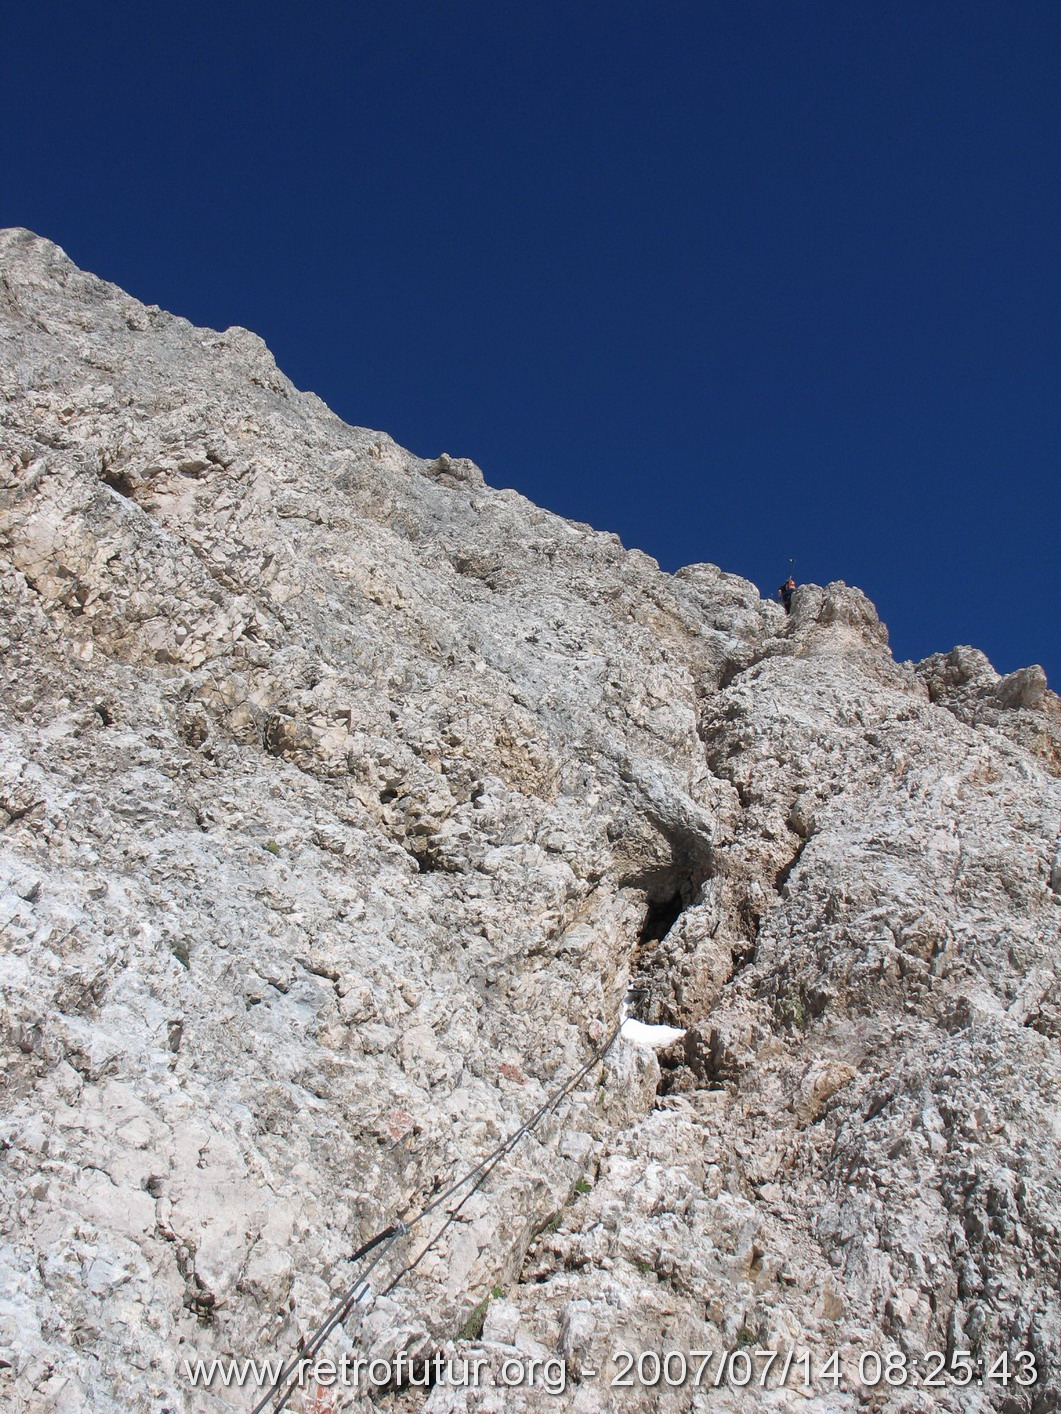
1018 705
341 800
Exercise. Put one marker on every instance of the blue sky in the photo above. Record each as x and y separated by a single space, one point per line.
741 281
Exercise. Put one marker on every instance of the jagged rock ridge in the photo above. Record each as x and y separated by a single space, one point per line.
343 797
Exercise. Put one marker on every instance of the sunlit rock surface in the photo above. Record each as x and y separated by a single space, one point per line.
343 798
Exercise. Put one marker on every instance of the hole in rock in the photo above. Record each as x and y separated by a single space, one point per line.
660 917
667 896
668 892
660 951
118 481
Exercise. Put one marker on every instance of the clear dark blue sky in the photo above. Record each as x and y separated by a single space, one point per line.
738 280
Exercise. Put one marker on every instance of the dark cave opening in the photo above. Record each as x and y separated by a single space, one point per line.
667 896
118 481
660 917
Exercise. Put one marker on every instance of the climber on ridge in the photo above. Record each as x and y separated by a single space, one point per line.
786 592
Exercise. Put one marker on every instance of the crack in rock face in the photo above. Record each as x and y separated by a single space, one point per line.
342 800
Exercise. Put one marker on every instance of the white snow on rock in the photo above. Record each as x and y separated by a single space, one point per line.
654 1037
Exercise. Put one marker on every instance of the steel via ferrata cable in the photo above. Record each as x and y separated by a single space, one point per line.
388 1236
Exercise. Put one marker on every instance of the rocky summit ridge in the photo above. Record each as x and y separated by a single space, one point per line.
342 800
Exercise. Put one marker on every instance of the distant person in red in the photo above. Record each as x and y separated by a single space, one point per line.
786 592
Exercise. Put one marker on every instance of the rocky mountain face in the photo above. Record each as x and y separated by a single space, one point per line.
342 800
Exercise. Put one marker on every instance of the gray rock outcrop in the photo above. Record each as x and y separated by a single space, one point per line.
343 798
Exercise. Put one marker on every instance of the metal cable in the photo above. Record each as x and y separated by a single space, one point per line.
385 1240
492 1160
